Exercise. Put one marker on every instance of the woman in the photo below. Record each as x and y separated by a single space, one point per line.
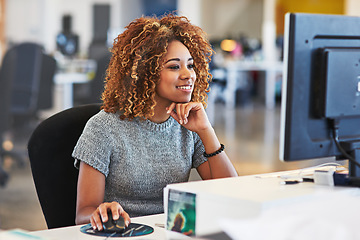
153 127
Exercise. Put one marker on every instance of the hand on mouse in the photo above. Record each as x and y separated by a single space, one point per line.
99 216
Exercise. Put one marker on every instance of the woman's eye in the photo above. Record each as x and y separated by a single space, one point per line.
174 67
191 66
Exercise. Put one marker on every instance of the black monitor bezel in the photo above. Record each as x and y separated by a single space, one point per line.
305 134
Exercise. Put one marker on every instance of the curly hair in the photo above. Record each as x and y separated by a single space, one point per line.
136 62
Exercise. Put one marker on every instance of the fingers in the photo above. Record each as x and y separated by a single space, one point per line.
100 215
103 209
171 108
174 114
126 217
118 211
182 111
96 221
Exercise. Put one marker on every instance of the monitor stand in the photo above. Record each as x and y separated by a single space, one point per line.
353 149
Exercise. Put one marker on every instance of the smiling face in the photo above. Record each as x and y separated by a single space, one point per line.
177 77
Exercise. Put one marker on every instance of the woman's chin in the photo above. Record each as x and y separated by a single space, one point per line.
183 101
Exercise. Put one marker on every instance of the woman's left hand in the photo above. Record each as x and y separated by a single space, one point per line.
191 115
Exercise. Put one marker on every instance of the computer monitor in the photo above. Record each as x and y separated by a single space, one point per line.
320 112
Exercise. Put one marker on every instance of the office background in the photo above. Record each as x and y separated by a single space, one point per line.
249 129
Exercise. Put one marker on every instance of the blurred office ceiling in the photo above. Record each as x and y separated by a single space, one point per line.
40 20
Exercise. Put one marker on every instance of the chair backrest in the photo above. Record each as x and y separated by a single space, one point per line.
6 72
46 86
6 76
55 177
26 78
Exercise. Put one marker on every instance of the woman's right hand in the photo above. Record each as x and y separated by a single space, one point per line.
90 196
100 215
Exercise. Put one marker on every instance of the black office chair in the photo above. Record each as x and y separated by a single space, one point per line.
31 74
26 87
46 86
26 79
55 177
6 73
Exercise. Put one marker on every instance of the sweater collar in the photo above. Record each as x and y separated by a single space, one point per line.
156 126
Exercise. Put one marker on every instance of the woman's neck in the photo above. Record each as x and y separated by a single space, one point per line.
160 114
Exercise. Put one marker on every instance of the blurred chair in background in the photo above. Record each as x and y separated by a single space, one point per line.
6 72
4 176
26 79
25 82
31 77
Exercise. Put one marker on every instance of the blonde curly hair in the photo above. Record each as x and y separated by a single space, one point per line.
137 58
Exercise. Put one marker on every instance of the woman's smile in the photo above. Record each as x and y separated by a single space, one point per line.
186 88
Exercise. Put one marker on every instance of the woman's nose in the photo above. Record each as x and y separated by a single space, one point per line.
185 73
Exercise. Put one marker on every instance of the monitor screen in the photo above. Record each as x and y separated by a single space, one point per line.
320 108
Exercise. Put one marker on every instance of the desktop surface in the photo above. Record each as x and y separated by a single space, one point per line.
74 233
248 197
251 202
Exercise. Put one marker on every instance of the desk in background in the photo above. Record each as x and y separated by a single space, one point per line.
234 67
72 71
67 81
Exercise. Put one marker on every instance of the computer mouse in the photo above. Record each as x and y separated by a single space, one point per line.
112 225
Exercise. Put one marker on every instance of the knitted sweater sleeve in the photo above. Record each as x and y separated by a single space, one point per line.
94 146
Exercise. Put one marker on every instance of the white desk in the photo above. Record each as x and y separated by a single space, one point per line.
67 81
259 200
259 206
234 67
74 233
72 71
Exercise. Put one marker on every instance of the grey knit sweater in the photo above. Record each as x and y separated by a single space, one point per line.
138 158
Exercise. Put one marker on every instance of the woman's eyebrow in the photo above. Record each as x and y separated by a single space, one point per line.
173 59
177 59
